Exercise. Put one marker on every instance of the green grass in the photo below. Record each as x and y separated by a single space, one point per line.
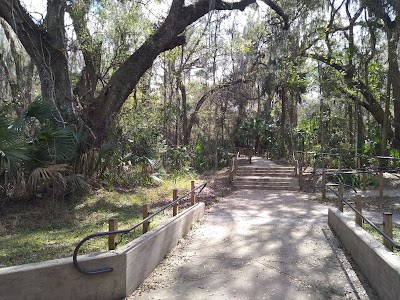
374 233
44 229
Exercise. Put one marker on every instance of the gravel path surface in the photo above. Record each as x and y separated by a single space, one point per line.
259 245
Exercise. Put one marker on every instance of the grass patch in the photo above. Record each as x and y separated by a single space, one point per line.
43 229
374 233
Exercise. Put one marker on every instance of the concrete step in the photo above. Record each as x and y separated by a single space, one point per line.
261 182
268 170
277 168
269 178
271 174
265 179
267 187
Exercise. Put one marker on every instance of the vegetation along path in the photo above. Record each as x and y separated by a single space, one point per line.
258 244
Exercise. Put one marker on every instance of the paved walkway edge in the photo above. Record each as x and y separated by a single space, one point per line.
379 265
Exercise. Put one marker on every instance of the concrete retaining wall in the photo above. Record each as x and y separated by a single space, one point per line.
379 265
58 279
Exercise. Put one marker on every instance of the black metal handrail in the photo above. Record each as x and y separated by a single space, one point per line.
125 231
389 169
350 155
389 239
319 153
344 185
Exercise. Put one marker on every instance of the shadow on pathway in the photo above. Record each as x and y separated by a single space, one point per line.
258 245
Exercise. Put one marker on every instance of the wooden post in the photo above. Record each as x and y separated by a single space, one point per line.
192 194
359 208
231 170
323 185
174 197
236 164
145 211
305 160
340 201
388 229
340 163
358 165
301 180
250 155
341 189
381 185
302 159
364 181
112 226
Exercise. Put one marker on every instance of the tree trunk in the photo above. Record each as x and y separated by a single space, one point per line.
350 133
371 103
216 135
386 124
394 75
48 50
282 95
182 88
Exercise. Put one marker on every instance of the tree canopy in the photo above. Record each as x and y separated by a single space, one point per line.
183 83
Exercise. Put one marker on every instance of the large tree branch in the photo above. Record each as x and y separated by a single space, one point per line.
370 103
279 11
46 46
168 36
379 9
203 98
28 32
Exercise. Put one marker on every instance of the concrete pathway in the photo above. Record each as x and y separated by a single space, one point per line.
259 245
257 161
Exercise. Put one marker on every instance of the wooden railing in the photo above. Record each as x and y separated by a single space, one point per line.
113 226
375 169
245 152
234 167
386 233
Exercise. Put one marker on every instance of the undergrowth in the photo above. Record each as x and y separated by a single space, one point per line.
44 229
375 234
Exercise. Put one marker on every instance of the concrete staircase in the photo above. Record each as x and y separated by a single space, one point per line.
266 176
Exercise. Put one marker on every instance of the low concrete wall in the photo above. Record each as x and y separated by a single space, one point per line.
146 252
58 279
379 265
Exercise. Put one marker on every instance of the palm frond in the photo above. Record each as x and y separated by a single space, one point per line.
54 175
6 136
54 146
39 109
64 147
88 162
77 182
12 157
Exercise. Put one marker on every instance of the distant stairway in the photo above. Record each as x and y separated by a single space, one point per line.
269 176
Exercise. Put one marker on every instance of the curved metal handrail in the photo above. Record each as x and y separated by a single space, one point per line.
124 231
